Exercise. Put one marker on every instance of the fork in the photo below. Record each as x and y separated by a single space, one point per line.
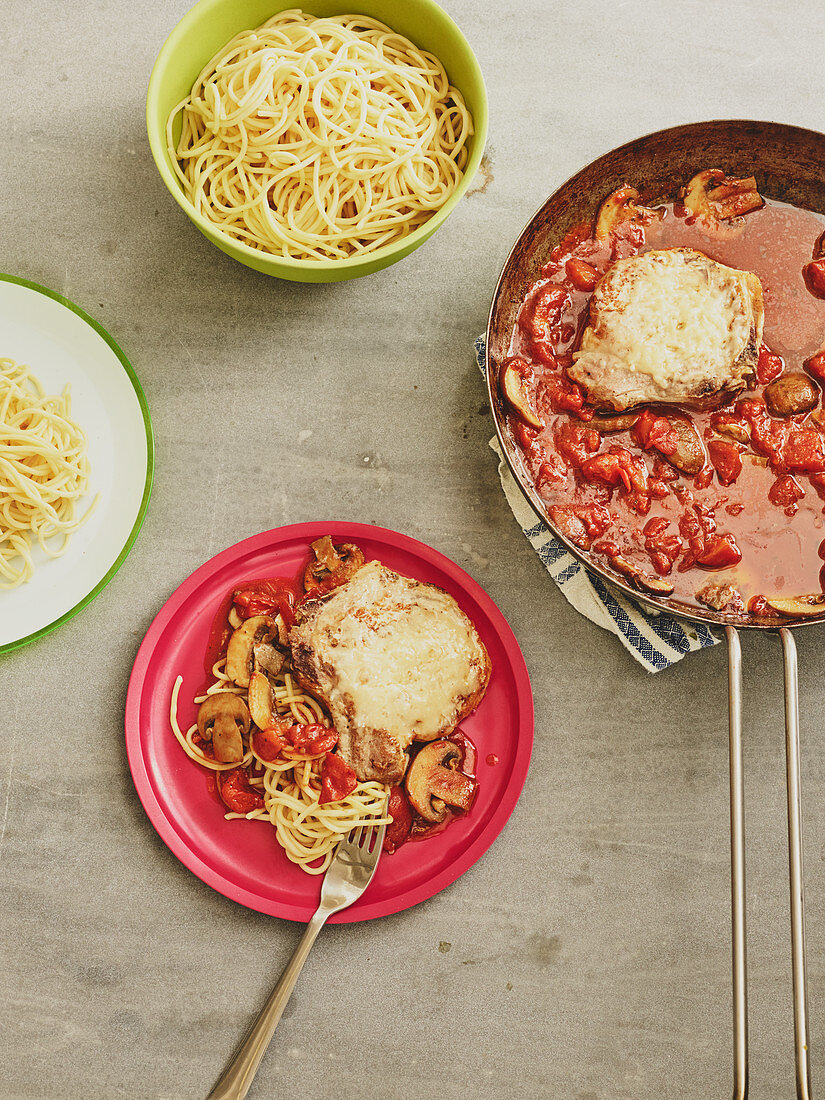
346 879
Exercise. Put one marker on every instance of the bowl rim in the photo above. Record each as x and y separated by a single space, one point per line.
262 259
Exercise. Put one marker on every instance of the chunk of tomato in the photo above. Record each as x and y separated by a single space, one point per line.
236 792
337 779
652 431
803 452
814 275
581 274
768 366
816 366
785 491
726 460
399 829
563 396
311 740
267 598
721 553
268 744
574 442
543 308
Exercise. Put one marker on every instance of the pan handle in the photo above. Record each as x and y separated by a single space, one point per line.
737 870
800 984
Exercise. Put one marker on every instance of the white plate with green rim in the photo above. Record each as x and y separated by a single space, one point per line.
63 345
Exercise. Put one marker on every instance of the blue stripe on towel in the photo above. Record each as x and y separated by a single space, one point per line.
569 571
705 635
551 552
669 630
628 627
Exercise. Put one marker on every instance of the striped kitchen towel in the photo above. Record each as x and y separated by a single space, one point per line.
656 640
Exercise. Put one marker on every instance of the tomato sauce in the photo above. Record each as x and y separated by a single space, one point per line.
752 516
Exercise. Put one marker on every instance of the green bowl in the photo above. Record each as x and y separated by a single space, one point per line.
212 23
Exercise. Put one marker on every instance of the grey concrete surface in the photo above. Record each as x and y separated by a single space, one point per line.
586 956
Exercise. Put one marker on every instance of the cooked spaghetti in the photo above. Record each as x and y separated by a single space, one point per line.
307 830
44 471
320 138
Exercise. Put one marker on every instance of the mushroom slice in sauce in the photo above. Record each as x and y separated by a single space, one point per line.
791 395
433 783
255 633
333 565
689 456
739 432
222 719
798 605
515 393
621 206
715 197
618 422
266 658
261 701
326 555
645 582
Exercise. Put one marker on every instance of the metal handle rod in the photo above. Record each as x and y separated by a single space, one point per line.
737 870
800 985
238 1077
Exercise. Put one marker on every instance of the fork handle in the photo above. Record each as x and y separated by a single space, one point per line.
238 1076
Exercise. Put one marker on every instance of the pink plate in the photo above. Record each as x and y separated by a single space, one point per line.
241 859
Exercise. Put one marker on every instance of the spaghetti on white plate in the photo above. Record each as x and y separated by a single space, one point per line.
308 831
320 138
44 472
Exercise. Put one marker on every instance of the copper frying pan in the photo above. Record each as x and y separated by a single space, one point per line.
788 163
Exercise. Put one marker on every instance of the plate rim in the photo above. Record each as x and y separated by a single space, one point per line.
61 299
165 827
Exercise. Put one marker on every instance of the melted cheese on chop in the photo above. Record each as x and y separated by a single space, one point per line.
403 653
670 314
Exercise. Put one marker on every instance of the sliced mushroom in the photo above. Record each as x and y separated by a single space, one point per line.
715 197
234 618
261 701
433 783
619 422
739 432
325 554
266 658
514 388
689 456
798 605
656 586
645 582
791 395
255 633
333 565
621 206
223 719
283 632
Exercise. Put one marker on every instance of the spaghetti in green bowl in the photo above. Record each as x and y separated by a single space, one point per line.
321 143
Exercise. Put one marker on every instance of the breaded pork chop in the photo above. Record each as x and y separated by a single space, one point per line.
671 325
394 660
